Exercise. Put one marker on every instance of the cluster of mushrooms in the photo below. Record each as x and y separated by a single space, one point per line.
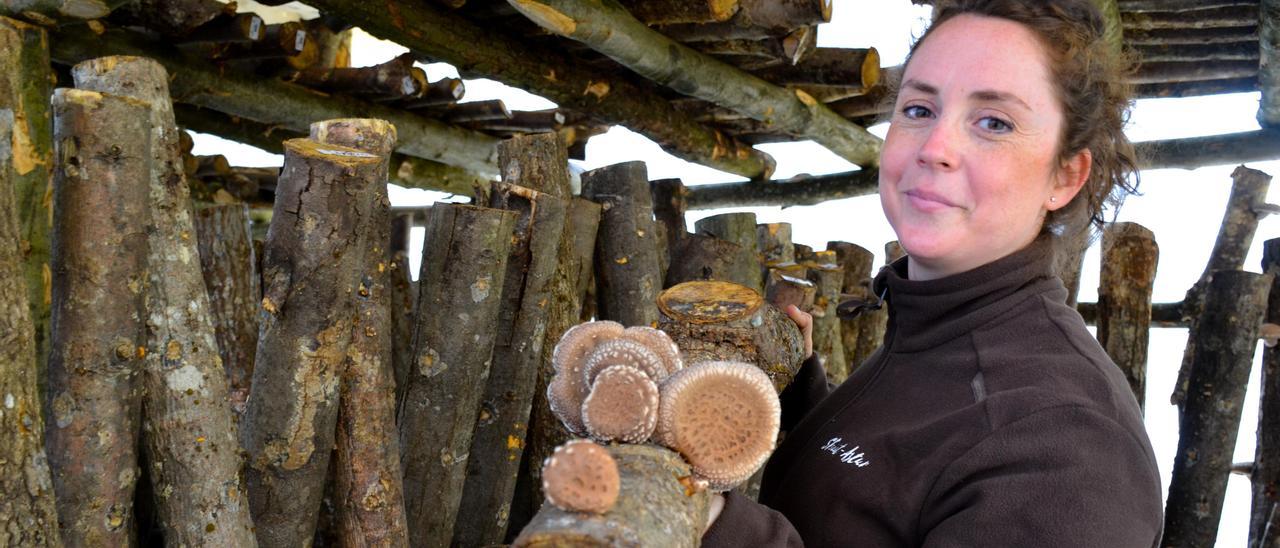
630 385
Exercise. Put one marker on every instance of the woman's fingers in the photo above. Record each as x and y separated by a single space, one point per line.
805 322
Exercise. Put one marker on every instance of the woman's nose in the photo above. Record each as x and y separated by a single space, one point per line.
939 148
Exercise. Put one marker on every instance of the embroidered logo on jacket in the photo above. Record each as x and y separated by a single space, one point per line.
848 455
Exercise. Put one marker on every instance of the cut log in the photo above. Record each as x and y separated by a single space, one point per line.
1195 152
1192 35
1265 476
525 121
757 19
1199 17
784 288
404 298
703 257
49 12
393 79
873 323
1070 257
1129 257
280 41
173 17
667 12
312 256
626 257
99 263
476 111
739 229
669 206
232 280
1162 314
464 261
796 191
26 82
849 67
1228 51
828 279
610 30
656 507
1224 348
1268 74
1239 223
238 29
1175 5
368 489
855 261
440 92
538 162
1193 71
29 517
774 243
724 321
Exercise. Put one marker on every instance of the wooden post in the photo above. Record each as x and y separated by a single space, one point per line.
656 507
1224 347
738 228
1129 257
1266 460
856 263
368 490
404 298
30 517
464 261
627 273
188 429
99 263
312 256
827 342
232 279
1239 223
26 82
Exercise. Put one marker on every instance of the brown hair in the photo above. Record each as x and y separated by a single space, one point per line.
1089 77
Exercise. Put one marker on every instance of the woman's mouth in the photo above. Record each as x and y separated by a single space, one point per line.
924 200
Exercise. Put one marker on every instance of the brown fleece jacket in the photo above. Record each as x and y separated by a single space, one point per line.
989 417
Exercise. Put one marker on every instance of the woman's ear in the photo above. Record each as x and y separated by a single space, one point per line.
1069 179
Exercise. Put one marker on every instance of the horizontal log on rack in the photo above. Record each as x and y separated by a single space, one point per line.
526 121
283 41
439 92
1222 16
1211 35
756 19
240 28
1196 89
1149 73
792 192
172 17
855 67
550 72
1174 5
667 12
478 111
280 103
1227 51
52 11
610 30
1194 152
393 79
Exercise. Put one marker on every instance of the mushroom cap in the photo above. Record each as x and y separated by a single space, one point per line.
565 394
580 340
581 476
567 389
723 417
659 342
623 352
622 406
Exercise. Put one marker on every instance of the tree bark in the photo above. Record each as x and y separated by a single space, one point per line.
791 192
667 12
1246 50
1266 461
740 229
790 286
725 321
1192 35
1148 73
774 243
464 262
757 19
1196 89
394 79
232 279
99 264
1175 5
368 489
669 206
855 261
828 343
1195 152
1197 17
1268 74
1224 347
656 507
626 257
174 17
404 299
48 12
849 67
1162 314
1239 223
1129 258
703 257
312 256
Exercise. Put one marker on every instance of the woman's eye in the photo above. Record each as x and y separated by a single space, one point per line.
916 111
995 124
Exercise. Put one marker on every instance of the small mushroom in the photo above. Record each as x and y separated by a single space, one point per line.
659 342
580 340
723 417
622 406
581 476
623 352
567 389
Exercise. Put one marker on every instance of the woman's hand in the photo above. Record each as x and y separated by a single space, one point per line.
805 322
717 506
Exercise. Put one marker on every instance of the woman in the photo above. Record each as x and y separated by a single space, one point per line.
990 416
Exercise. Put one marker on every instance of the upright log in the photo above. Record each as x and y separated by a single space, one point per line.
1239 223
670 202
28 516
233 282
1129 257
855 261
874 323
1266 461
626 257
100 198
26 82
740 229
1269 63
464 263
312 256
1224 347
404 298
704 257
828 343
774 240
368 490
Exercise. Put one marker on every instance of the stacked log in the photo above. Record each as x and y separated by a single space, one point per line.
404 298
855 261
233 283
740 230
1129 257
873 323
1265 475
827 277
626 257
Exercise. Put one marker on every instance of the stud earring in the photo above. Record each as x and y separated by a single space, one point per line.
1053 199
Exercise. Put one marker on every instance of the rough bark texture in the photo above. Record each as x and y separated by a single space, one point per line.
757 19
51 11
404 299
873 323
232 279
790 286
774 243
740 229
27 514
1162 314
26 82
656 507
725 321
1224 347
99 264
628 276
666 12
703 257
1269 73
669 206
847 67
498 445
1239 223
464 261
539 162
856 263
1266 461
827 342
1211 16
1194 152
1129 258
311 276
368 490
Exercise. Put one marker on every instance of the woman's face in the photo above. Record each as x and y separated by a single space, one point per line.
970 162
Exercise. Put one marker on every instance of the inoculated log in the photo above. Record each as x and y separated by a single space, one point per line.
1265 475
280 41
28 517
850 67
1268 74
1129 257
626 257
26 82
524 121
369 497
724 321
703 257
1176 71
783 288
1224 347
1195 89
49 12
440 92
99 259
791 192
1072 247
232 280
1229 51
464 262
827 277
669 207
757 19
312 256
1201 17
1191 35
855 261
494 460
667 12
404 298
1196 152
1162 314
873 323
393 79
755 54
739 229
237 29
476 111
1239 223
610 30
1175 5
656 506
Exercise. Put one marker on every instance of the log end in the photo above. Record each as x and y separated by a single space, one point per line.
704 302
337 154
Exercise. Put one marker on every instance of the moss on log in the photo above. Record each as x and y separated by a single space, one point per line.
1129 258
